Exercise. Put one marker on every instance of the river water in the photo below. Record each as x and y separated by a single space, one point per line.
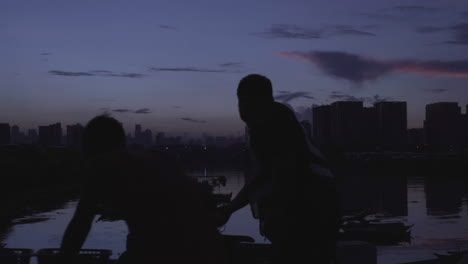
437 209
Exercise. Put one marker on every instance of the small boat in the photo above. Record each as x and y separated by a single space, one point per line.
373 231
379 233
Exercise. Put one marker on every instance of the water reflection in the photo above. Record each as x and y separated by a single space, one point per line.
385 194
48 234
436 207
444 197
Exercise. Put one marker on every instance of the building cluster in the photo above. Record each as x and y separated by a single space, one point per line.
161 139
445 125
342 125
52 135
49 135
350 125
13 134
143 138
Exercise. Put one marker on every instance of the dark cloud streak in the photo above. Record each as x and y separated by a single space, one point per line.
66 73
344 65
142 111
415 8
168 27
139 111
226 67
127 75
98 73
289 31
231 65
120 110
186 69
101 71
437 90
349 30
459 31
188 119
358 69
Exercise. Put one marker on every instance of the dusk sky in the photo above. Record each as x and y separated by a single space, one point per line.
174 66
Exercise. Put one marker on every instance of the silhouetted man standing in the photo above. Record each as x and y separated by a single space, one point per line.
291 190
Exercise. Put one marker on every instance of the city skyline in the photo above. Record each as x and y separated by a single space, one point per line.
302 113
341 124
174 66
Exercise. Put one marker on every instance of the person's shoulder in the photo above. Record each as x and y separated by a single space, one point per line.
282 109
284 114
105 163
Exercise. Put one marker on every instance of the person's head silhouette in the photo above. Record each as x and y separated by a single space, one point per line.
255 94
103 134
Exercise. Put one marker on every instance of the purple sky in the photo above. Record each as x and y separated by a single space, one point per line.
174 65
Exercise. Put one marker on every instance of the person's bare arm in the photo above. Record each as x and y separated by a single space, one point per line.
243 198
78 228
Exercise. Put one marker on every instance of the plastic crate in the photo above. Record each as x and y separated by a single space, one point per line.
15 255
86 256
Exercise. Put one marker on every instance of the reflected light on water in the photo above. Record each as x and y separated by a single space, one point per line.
439 226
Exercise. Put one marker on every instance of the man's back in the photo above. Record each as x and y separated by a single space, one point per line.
166 212
280 148
302 204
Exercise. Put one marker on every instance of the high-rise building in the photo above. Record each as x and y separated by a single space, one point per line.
32 135
137 136
465 127
369 127
391 123
160 138
443 124
147 138
464 133
5 134
322 125
74 135
346 123
50 135
137 130
15 134
416 137
142 138
44 135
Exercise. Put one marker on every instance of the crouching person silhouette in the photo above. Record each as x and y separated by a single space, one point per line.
167 218
291 189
